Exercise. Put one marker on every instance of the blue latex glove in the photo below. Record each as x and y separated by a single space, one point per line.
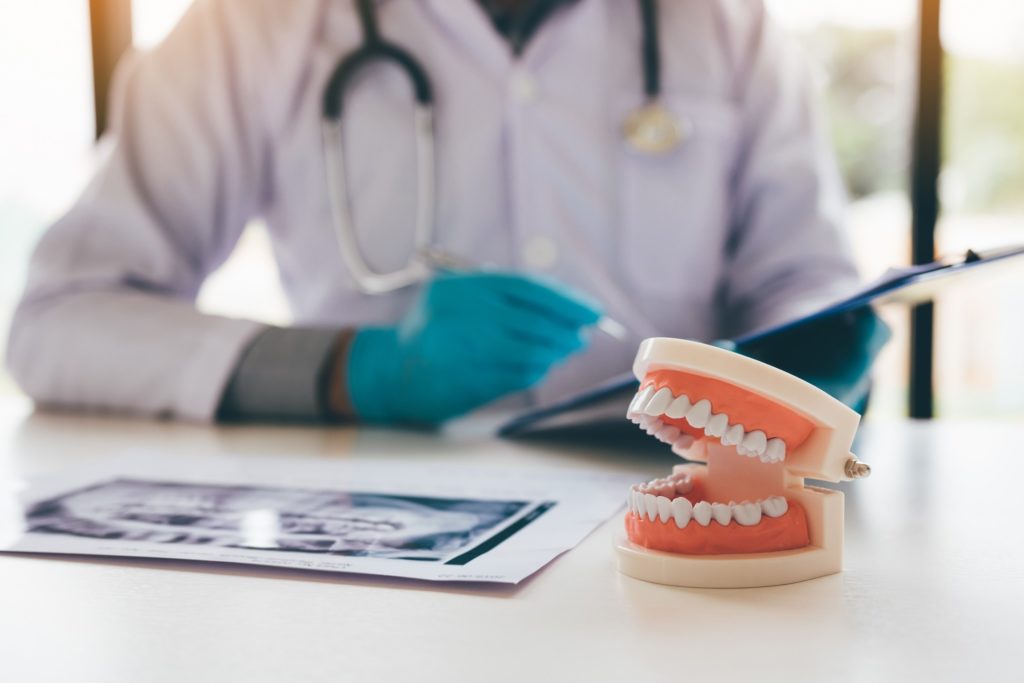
468 339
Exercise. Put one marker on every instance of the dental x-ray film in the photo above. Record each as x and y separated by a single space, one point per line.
414 521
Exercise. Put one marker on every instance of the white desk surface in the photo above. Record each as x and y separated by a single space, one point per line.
933 587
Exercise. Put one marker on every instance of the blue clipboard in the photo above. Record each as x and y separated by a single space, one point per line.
910 285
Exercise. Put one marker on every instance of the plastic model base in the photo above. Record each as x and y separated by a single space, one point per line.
753 434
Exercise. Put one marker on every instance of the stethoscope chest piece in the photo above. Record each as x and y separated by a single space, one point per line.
653 129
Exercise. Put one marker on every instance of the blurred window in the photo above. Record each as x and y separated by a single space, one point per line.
979 327
46 130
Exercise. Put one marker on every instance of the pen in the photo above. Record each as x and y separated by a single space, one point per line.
440 259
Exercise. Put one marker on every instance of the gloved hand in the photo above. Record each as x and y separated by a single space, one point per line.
468 339
834 353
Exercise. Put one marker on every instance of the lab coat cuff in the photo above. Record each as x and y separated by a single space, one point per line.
280 376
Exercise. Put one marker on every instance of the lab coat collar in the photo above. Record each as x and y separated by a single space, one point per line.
466 23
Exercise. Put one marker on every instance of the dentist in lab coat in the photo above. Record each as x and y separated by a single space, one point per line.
736 228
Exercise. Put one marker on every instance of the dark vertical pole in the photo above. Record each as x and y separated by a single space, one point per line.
111 26
926 162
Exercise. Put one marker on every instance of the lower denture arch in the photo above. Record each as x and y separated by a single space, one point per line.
787 532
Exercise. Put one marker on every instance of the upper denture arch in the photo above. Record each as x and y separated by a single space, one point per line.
821 447
741 406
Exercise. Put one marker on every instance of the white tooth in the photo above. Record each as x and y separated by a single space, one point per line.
640 400
679 407
775 451
776 506
651 506
638 502
755 442
664 508
702 513
733 435
669 434
682 510
746 513
722 513
717 425
682 444
653 426
699 414
683 486
658 402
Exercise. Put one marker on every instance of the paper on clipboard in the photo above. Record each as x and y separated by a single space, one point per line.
907 285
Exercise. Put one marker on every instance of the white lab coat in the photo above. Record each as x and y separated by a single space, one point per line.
738 228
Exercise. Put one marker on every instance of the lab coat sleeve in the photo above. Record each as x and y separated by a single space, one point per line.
107 320
787 253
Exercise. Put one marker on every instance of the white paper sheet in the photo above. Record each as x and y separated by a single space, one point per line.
407 519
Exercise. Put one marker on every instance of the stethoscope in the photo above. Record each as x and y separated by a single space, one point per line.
651 129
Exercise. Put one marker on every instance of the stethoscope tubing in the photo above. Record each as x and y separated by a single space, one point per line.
416 270
376 49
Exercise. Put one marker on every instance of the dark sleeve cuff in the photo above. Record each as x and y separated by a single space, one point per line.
281 376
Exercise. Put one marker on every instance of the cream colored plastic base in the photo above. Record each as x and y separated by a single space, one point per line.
726 571
822 557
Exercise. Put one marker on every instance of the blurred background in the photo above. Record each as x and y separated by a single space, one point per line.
865 56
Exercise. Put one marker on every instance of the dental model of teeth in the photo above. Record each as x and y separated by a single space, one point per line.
723 519
649 405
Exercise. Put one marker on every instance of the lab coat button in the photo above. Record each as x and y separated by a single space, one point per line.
523 87
540 252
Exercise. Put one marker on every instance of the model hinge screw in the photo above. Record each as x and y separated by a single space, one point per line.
855 469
